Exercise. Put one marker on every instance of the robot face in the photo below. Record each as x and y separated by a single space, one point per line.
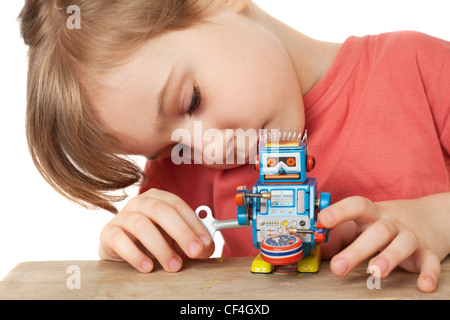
281 165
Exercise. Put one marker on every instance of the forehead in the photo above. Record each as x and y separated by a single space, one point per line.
150 60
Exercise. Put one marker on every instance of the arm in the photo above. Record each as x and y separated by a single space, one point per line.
413 234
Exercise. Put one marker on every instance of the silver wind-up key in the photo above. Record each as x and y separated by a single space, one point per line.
213 225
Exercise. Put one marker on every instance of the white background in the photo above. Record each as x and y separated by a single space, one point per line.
36 223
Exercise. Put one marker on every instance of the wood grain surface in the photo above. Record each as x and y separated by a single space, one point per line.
210 279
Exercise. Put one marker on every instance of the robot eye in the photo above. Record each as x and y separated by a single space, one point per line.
290 162
271 162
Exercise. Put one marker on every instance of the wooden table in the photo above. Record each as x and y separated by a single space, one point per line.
224 279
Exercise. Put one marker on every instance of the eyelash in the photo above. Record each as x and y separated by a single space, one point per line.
196 100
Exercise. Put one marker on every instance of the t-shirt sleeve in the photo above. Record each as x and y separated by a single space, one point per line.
433 59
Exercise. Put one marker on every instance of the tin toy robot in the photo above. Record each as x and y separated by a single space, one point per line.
283 205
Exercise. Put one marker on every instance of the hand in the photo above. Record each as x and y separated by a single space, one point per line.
160 224
410 233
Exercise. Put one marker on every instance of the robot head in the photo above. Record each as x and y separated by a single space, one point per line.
283 161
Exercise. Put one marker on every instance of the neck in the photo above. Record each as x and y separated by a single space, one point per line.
310 58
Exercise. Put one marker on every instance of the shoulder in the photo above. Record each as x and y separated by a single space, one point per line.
407 37
410 43
406 52
422 63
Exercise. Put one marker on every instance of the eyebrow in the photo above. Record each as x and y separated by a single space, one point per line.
162 99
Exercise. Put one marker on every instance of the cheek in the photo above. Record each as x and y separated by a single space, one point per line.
251 87
124 126
257 96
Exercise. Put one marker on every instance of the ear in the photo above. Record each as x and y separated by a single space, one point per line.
237 6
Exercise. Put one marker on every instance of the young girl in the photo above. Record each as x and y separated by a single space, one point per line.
376 109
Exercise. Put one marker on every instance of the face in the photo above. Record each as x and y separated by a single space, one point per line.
228 73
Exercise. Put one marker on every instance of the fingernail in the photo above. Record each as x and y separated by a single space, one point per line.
146 265
429 281
382 264
340 265
175 264
206 240
195 247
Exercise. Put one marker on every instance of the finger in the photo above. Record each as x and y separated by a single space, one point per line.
339 238
355 208
369 242
184 211
125 248
402 247
168 218
204 255
430 268
151 238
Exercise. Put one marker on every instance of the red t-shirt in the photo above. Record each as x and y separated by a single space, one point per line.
378 126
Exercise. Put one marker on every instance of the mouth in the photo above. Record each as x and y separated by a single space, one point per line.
282 176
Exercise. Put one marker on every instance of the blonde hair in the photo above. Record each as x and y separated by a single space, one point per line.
69 147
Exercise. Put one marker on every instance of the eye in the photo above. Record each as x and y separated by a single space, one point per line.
271 162
290 162
195 101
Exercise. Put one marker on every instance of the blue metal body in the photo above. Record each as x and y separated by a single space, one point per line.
292 204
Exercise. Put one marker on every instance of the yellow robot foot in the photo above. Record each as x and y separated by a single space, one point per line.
261 266
310 263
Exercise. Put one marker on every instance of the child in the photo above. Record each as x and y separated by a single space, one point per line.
376 109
